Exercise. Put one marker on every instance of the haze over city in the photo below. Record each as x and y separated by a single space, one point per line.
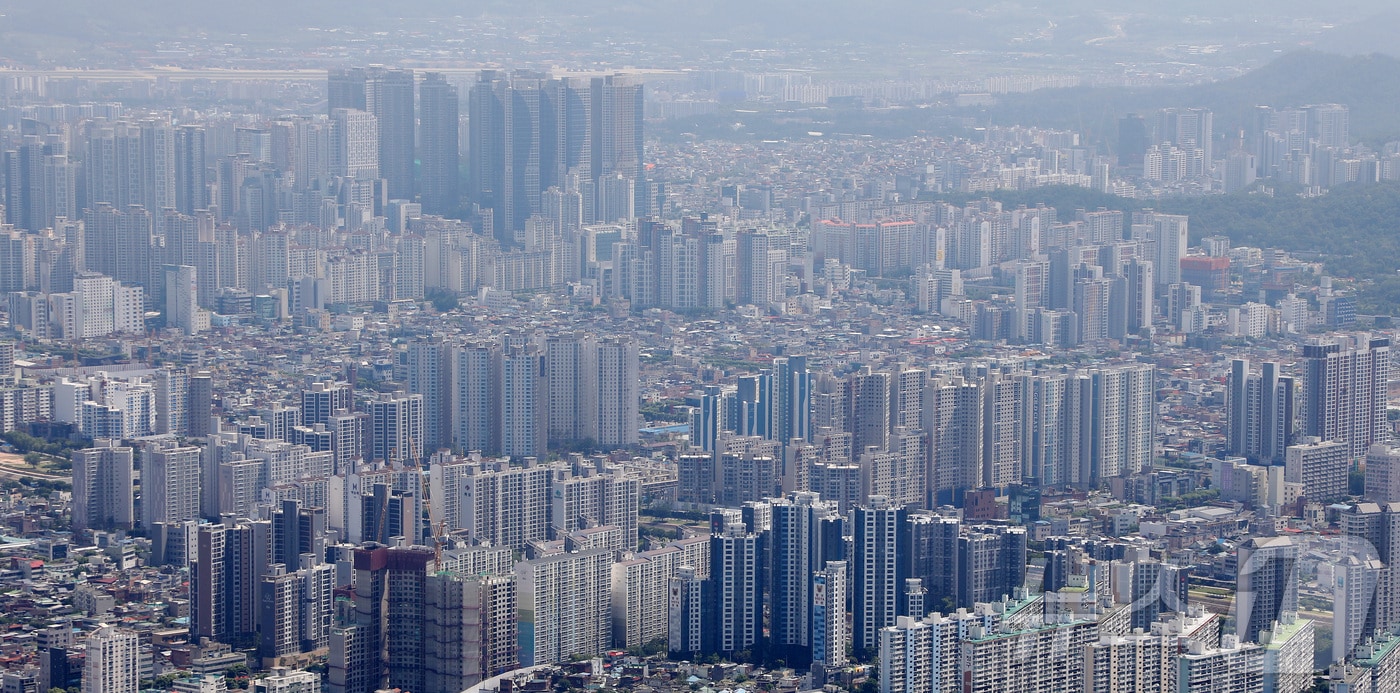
699 347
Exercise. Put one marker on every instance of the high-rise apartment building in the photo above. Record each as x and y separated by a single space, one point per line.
733 595
112 663
1260 411
564 606
805 536
102 487
881 565
1267 585
1345 391
430 375
169 483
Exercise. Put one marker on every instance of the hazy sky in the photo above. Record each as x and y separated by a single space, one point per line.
57 29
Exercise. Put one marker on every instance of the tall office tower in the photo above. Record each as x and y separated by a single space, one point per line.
564 603
1169 233
1121 421
750 409
323 400
113 661
469 630
182 309
476 416
1354 596
439 150
54 644
201 403
23 193
345 88
430 375
169 483
102 487
389 96
119 243
1345 391
1133 140
617 127
571 375
953 420
354 148
16 260
800 549
869 416
229 558
191 170
616 383
487 150
991 564
522 389
1373 531
1140 296
753 274
1260 412
520 134
1267 585
734 591
881 565
397 428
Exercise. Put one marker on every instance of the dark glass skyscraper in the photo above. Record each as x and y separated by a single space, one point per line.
529 133
440 161
388 95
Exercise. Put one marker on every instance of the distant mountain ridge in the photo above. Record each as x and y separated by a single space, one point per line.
1368 84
